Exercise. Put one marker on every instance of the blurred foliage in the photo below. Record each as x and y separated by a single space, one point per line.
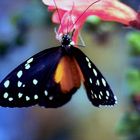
133 78
100 30
35 14
32 16
135 100
19 38
134 42
129 125
94 20
22 27
3 47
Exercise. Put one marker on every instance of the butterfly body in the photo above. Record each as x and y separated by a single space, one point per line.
51 77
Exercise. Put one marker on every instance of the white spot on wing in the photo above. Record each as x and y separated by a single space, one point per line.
5 95
46 93
92 96
36 97
107 93
10 99
101 93
19 74
90 80
30 60
20 95
27 66
23 85
6 83
89 64
107 97
103 81
19 84
35 81
51 97
100 97
95 95
27 98
95 72
115 97
97 82
87 59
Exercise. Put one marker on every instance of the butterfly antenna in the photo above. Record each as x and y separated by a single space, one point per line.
72 33
57 12
84 12
70 18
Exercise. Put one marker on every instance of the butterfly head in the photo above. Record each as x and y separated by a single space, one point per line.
66 41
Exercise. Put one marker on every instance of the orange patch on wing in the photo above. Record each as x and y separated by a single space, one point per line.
68 74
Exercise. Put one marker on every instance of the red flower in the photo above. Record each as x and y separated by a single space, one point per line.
108 10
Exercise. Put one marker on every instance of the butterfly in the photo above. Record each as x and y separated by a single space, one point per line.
52 76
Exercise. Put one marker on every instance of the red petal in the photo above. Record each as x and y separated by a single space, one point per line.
108 10
113 10
68 23
56 18
136 23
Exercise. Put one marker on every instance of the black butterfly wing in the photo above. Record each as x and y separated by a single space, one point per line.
98 90
32 82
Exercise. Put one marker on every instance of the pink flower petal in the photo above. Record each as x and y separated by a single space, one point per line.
136 23
108 10
55 17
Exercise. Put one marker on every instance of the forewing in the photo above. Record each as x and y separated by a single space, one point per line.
97 88
32 82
